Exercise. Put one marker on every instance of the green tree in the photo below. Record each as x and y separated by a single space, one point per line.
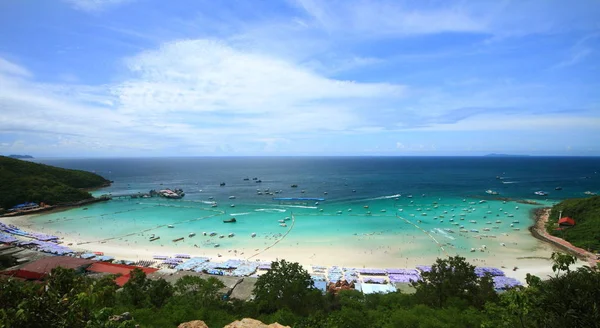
453 278
286 285
134 290
159 292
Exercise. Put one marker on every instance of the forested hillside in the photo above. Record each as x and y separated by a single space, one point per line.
23 181
586 213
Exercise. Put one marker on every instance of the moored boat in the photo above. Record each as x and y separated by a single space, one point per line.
232 220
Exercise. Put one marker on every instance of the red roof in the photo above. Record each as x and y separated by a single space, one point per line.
42 267
566 221
114 268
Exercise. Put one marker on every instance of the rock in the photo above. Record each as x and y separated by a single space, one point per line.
193 324
252 323
121 317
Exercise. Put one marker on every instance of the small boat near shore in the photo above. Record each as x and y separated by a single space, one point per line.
192 234
155 238
491 192
541 193
232 220
170 226
178 239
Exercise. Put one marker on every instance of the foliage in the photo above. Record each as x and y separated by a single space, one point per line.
586 213
65 299
454 280
286 285
23 181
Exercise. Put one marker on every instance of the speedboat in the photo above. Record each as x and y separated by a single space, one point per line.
491 192
589 193
192 234
170 226
231 197
283 224
231 235
253 235
541 193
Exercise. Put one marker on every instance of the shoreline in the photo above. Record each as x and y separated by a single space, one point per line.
515 260
538 230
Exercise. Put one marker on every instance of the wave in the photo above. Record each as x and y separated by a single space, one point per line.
270 210
386 197
238 214
443 233
300 206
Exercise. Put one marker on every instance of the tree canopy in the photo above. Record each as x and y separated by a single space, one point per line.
23 181
586 213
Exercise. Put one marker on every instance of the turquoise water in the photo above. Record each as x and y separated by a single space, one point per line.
446 189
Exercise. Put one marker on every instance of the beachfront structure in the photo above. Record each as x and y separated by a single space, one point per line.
566 222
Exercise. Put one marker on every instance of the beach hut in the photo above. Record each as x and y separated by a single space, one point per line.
566 222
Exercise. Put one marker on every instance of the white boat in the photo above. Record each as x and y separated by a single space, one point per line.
214 205
170 226
231 235
541 193
192 234
491 192
253 235
281 221
213 234
222 236
232 205
339 212
283 224
589 193
217 245
231 197
204 233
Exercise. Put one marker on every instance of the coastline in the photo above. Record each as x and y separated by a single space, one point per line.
522 256
538 230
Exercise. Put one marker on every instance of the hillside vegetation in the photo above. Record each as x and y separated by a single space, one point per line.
586 212
22 181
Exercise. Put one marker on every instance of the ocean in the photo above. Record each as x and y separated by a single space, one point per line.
370 202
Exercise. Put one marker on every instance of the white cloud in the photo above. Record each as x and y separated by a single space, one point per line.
95 5
9 68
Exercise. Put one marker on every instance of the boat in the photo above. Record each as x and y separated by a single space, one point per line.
498 221
192 234
214 204
541 193
491 192
254 178
231 197
212 234
155 238
232 220
339 212
170 226
324 192
232 205
246 179
294 186
222 184
302 191
558 188
383 211
204 233
287 218
481 201
177 239
217 245
222 236
281 221
589 193
283 224
253 235
366 206
258 181
231 235
515 221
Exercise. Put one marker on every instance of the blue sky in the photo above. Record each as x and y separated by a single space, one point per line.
90 78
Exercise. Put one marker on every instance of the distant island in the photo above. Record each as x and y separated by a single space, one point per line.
28 182
20 156
504 155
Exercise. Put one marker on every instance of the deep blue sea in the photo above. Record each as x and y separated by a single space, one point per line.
392 207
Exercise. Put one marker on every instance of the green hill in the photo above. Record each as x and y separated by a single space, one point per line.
586 212
23 181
